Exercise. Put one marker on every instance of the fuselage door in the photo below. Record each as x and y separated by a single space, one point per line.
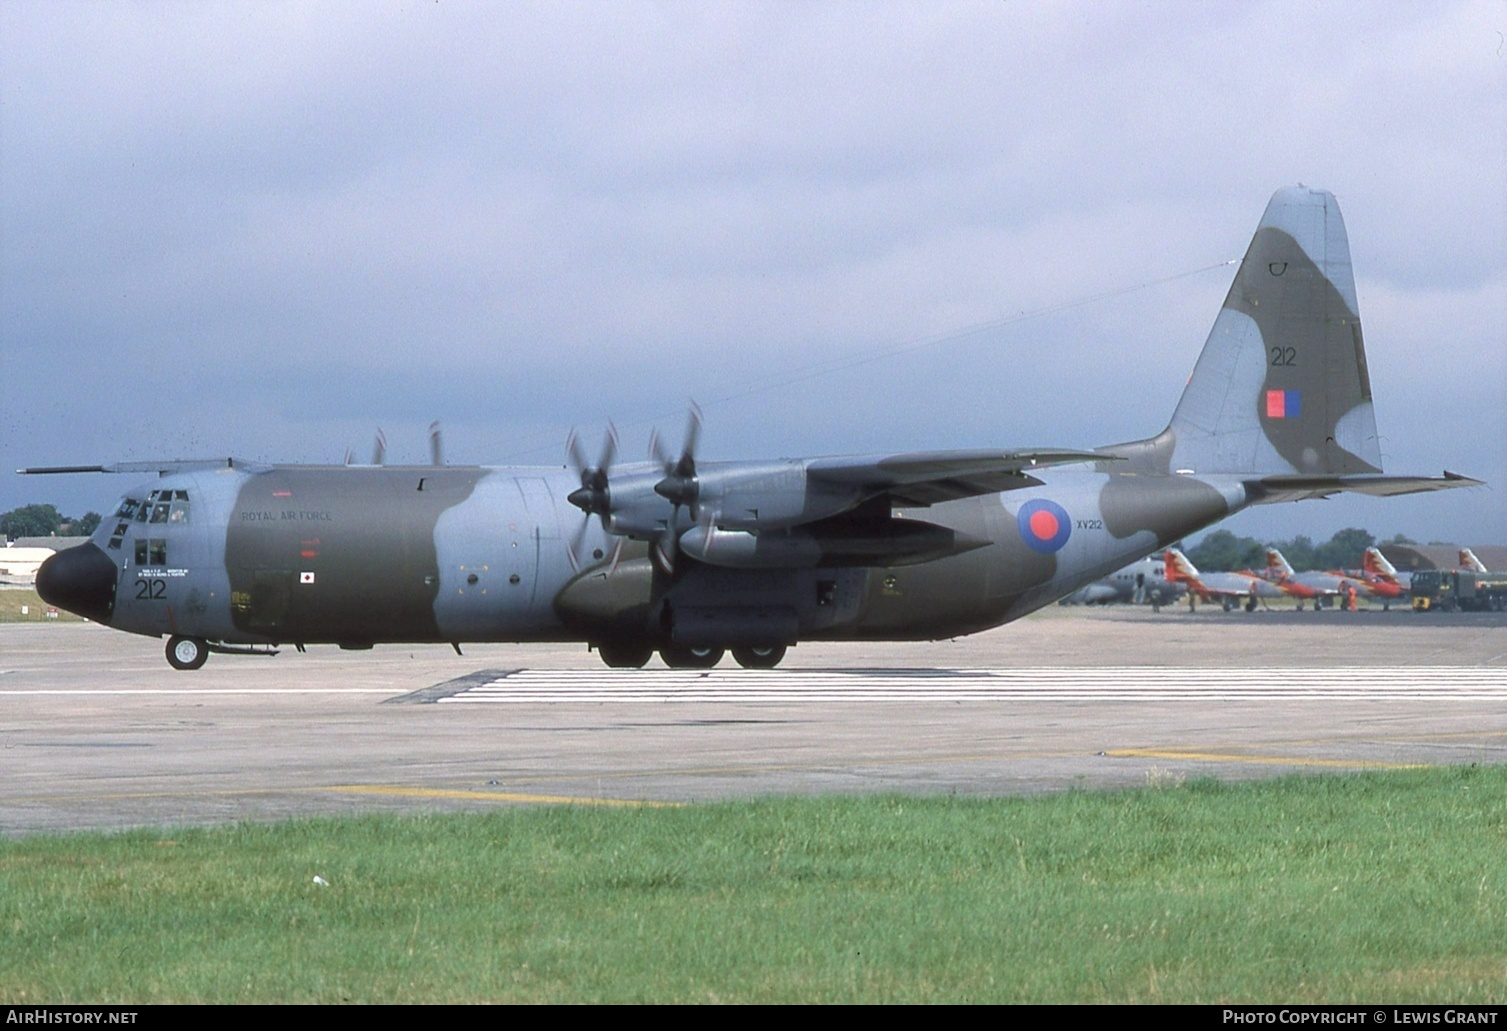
543 525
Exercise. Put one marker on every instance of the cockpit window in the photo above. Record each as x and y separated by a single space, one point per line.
161 506
127 508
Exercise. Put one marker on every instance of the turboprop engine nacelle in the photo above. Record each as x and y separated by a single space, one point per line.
890 542
754 496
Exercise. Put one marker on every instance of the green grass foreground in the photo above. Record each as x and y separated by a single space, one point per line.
1371 888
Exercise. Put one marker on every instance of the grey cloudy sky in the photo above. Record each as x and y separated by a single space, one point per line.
265 230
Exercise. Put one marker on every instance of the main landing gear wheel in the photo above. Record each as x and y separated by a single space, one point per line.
691 658
759 658
625 656
186 652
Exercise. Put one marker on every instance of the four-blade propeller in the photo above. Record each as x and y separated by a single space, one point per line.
594 496
679 486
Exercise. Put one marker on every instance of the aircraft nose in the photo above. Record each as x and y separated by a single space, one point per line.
80 579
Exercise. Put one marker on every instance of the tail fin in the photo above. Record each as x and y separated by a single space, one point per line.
1277 566
1179 570
1375 564
1469 561
1281 387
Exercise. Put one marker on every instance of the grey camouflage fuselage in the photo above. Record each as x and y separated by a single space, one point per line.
886 547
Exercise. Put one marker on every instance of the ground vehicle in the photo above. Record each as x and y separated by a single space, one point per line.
1459 589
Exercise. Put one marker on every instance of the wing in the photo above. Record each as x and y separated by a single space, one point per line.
928 477
162 468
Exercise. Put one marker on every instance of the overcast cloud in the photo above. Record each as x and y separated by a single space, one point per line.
265 230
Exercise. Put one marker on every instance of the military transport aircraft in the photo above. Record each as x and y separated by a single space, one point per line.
1142 582
690 558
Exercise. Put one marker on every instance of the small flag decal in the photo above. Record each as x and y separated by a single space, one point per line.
305 578
1283 404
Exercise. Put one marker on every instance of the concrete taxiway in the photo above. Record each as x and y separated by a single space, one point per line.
96 731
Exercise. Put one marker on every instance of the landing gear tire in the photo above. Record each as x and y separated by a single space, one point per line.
691 658
625 656
759 658
186 652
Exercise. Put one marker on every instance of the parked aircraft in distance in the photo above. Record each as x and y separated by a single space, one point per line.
1320 587
1228 589
1376 567
1469 561
689 558
1143 582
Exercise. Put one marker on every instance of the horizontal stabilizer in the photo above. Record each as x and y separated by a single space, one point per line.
930 477
1270 489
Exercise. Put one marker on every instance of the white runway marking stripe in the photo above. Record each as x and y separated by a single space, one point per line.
1457 683
194 691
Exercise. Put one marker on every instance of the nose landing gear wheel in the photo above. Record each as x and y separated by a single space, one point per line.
759 658
691 658
186 652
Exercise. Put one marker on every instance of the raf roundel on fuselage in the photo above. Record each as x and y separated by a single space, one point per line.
1044 525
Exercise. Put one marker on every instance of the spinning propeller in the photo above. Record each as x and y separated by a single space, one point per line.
594 496
630 509
379 448
679 486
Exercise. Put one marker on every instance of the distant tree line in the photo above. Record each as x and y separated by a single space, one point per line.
1223 551
44 521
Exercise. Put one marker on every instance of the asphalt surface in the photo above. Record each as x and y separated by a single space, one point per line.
97 732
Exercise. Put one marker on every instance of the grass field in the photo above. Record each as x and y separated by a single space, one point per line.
1378 887
14 599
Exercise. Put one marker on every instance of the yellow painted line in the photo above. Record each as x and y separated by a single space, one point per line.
1463 735
1269 760
494 796
820 767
